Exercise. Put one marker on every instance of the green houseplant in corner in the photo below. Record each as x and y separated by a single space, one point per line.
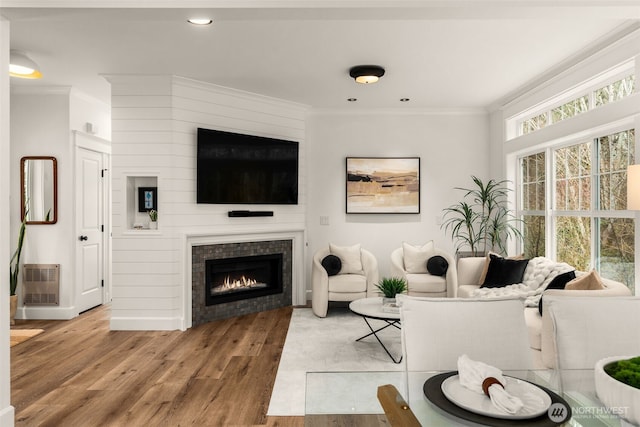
482 222
14 270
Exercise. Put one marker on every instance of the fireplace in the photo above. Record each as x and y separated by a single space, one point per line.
218 288
237 278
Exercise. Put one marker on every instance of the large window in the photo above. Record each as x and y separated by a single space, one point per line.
588 220
596 95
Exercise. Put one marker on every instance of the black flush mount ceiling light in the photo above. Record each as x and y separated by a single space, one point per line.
200 21
366 74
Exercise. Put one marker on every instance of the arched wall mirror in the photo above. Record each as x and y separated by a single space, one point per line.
39 183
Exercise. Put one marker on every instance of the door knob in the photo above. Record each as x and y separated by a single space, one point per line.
82 238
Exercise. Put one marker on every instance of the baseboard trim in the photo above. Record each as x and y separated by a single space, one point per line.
7 416
145 324
46 313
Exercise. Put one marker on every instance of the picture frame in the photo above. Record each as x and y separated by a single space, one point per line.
147 199
382 185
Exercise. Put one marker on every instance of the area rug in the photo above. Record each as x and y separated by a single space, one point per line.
327 344
21 335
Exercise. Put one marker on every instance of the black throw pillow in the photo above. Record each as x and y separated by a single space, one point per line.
332 264
437 265
503 271
558 282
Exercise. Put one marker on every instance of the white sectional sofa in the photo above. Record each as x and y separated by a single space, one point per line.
540 330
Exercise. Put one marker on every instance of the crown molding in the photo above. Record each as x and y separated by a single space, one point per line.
595 50
374 9
238 93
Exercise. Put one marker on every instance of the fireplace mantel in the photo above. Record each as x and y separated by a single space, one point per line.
213 237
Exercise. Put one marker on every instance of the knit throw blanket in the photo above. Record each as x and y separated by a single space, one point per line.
539 273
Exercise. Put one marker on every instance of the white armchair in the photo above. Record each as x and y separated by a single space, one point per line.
436 331
343 286
586 329
422 283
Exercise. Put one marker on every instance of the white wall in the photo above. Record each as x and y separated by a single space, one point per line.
41 126
155 119
85 109
6 410
452 146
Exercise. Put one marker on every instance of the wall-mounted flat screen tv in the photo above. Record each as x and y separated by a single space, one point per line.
234 168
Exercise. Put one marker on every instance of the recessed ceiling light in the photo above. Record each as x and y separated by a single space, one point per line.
200 21
405 99
352 99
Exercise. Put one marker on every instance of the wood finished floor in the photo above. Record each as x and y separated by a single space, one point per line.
78 373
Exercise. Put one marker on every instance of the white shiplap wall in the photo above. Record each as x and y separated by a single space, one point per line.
155 119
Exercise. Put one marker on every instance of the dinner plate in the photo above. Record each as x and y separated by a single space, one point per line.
536 401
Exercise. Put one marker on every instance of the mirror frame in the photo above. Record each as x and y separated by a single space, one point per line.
55 188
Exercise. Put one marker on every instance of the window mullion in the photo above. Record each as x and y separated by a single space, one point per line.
595 202
550 250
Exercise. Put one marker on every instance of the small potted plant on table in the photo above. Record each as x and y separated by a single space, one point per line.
389 287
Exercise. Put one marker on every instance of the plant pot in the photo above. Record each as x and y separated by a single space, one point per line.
13 306
153 225
388 301
468 254
615 394
389 305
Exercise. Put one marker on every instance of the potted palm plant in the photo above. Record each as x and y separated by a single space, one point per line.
482 222
14 270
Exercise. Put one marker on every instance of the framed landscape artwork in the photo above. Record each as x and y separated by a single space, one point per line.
383 185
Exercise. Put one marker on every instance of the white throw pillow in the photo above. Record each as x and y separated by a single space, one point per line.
415 257
350 257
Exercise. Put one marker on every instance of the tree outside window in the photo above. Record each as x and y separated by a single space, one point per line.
533 203
589 220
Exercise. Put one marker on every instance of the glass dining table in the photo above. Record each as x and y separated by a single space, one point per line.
355 394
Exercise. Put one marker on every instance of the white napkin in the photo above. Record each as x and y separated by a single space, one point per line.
472 373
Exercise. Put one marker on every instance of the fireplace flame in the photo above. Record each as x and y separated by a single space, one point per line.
243 282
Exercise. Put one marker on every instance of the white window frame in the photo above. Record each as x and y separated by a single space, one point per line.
588 87
551 213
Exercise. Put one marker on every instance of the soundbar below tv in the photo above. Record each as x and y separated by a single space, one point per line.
234 168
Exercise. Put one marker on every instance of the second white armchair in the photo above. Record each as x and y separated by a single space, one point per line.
410 263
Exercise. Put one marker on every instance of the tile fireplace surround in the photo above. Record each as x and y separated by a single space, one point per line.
202 247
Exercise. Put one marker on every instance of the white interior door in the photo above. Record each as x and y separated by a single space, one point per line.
90 228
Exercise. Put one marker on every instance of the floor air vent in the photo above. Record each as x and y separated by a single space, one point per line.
41 284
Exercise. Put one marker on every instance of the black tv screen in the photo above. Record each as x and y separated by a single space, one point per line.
234 168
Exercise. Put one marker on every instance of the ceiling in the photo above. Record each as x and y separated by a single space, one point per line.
442 55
